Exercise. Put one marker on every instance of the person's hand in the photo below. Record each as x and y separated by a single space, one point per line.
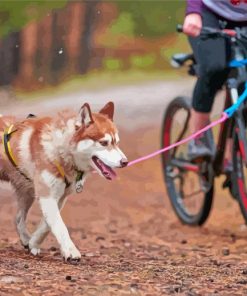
192 24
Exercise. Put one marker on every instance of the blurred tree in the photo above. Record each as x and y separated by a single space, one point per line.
124 24
86 37
149 18
76 15
15 14
9 60
58 50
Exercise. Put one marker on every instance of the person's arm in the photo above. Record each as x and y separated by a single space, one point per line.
193 21
194 6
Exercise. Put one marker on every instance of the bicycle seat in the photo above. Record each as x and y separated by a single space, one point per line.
179 59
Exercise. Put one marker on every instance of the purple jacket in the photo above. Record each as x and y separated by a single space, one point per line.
224 8
194 6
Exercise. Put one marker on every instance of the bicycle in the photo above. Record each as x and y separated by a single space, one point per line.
181 175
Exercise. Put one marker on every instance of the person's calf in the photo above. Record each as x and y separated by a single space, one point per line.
198 120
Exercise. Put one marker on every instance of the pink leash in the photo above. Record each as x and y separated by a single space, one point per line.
189 138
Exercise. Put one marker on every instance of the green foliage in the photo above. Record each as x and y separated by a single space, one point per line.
123 25
112 64
180 45
144 61
153 18
15 14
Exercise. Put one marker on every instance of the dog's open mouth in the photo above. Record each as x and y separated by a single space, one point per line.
105 170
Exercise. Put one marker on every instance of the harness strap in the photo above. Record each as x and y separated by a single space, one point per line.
62 173
7 148
8 151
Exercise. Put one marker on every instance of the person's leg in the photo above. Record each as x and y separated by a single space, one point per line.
210 55
198 120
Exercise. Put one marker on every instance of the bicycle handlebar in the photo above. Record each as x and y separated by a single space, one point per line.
208 31
179 28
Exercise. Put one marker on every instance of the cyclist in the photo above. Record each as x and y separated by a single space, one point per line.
212 55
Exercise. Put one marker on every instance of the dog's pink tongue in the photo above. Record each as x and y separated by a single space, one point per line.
108 172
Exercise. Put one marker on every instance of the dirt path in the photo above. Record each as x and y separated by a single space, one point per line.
131 241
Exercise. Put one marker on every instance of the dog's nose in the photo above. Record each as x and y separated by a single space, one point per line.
123 162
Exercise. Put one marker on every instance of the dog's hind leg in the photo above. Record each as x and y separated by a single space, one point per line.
25 200
38 237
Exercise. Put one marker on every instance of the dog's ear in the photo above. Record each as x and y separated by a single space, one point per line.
85 115
108 110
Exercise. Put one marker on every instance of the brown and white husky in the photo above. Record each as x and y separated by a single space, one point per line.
48 158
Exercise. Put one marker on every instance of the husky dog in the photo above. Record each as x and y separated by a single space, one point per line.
48 158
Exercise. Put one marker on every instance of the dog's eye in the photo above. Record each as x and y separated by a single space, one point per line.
104 143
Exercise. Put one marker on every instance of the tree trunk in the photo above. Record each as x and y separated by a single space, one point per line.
28 49
75 29
43 56
59 51
9 61
87 34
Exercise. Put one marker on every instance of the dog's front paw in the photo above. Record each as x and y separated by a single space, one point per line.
34 251
71 255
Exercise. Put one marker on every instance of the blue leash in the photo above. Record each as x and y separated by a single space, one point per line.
237 64
234 107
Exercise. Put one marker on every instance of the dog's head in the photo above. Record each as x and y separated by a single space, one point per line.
96 142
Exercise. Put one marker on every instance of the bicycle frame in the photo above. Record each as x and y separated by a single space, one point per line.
224 133
237 121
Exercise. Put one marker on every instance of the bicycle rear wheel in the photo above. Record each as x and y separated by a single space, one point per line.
185 182
239 175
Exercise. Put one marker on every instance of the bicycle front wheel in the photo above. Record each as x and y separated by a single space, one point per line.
190 198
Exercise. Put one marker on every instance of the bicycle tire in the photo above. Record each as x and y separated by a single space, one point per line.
186 218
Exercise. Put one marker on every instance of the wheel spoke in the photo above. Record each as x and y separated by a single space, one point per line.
193 193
